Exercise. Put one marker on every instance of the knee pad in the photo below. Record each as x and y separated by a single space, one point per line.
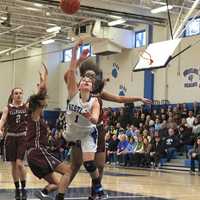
90 166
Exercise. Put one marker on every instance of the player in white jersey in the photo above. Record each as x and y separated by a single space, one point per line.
79 128
82 114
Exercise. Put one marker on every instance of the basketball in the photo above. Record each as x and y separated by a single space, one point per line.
70 6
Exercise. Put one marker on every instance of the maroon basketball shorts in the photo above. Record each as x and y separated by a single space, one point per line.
14 147
41 161
101 139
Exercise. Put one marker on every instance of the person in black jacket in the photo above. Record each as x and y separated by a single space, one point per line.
171 143
157 151
112 149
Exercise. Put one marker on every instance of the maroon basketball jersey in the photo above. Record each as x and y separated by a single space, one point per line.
17 119
37 133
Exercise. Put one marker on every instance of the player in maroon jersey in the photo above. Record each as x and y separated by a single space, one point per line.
42 162
14 119
14 116
89 69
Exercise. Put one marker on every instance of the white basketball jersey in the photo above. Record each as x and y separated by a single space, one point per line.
78 126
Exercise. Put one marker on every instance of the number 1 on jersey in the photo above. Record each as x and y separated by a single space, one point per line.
76 120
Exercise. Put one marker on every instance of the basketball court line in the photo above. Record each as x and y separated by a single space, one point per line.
110 197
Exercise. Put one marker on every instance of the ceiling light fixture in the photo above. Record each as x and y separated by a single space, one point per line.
116 22
161 9
53 29
48 41
3 18
38 5
31 9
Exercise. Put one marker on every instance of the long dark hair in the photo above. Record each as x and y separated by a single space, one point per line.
35 101
89 65
10 98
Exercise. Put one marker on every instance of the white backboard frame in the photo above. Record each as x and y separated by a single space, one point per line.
160 53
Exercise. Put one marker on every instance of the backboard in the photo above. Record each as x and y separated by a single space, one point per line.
156 55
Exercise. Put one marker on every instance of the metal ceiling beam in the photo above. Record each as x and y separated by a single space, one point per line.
113 9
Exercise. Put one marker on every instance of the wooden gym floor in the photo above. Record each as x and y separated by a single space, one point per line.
119 183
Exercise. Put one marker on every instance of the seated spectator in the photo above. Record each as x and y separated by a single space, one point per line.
107 142
157 151
129 131
157 125
112 150
196 127
146 155
163 132
190 119
122 145
129 152
186 138
138 151
195 155
171 143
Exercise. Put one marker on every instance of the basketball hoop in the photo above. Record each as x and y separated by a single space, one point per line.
146 56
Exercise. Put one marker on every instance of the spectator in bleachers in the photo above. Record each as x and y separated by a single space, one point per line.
196 127
112 149
190 119
146 154
138 151
60 122
163 117
196 108
114 119
163 132
107 142
122 145
106 118
186 138
195 155
171 144
142 118
130 131
157 151
157 125
129 152
184 111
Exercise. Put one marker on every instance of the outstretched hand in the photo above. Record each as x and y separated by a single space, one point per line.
43 74
146 101
84 55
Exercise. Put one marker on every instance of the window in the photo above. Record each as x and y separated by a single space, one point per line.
67 53
192 27
140 39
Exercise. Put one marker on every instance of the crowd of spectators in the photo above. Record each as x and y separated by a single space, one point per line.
139 137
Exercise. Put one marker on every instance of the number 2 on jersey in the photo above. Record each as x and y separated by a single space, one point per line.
18 117
76 120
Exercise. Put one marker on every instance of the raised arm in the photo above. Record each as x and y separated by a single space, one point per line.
3 120
123 99
69 76
42 86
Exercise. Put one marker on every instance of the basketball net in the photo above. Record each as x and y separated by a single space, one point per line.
146 56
